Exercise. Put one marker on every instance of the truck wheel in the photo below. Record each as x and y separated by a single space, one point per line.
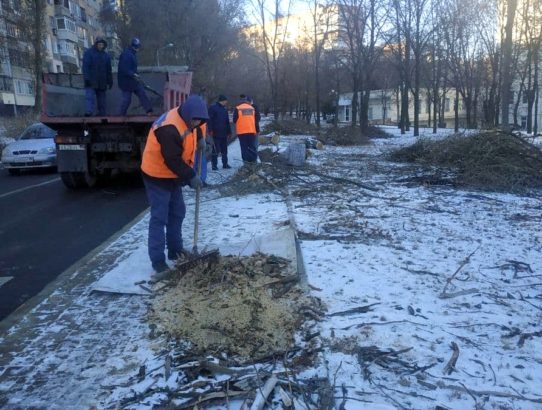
76 180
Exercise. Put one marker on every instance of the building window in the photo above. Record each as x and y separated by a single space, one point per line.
12 30
83 14
65 3
447 104
65 24
370 113
24 87
347 114
6 84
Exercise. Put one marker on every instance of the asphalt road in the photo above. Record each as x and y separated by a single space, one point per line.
45 228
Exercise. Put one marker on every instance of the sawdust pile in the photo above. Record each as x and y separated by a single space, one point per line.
246 307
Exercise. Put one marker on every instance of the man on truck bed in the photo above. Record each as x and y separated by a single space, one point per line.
97 75
129 80
167 165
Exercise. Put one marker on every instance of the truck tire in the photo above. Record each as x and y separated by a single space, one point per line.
76 180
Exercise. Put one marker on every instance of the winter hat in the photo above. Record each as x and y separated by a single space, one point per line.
222 97
100 40
135 43
242 97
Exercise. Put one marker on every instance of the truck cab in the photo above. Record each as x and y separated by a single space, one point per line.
90 148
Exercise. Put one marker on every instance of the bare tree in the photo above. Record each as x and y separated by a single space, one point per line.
361 29
24 43
511 6
530 42
321 15
274 26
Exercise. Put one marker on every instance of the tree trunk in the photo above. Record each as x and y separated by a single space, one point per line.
456 111
506 66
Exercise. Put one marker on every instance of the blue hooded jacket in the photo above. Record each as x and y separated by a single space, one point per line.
219 121
127 69
97 67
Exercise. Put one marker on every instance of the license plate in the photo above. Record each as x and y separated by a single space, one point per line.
23 159
71 147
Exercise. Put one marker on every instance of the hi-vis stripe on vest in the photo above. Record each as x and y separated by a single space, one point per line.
246 120
153 162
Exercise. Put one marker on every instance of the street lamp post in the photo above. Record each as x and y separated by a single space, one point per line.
158 50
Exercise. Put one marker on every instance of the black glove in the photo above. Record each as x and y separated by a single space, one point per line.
195 182
87 84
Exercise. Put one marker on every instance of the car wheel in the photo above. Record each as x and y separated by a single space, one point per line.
76 180
13 171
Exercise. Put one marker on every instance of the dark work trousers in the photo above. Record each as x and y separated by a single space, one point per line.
127 100
248 147
90 93
220 146
167 213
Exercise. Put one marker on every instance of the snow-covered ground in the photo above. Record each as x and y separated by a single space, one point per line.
439 273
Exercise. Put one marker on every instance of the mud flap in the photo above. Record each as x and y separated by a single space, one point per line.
72 157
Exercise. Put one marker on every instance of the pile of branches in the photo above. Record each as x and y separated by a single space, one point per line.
343 136
491 160
291 127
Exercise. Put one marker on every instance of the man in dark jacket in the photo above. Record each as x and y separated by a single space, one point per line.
220 130
167 165
97 76
129 79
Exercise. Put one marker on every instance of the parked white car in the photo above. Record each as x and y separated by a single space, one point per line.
34 148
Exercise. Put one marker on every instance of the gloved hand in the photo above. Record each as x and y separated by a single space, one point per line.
195 182
202 144
87 84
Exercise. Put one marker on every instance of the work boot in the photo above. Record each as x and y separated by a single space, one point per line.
226 166
161 271
215 168
178 255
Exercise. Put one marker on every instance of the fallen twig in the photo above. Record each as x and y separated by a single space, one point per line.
450 366
360 309
463 263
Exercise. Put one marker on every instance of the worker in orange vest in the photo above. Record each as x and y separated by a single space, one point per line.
244 118
168 165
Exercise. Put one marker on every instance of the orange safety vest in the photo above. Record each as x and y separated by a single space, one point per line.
153 163
246 120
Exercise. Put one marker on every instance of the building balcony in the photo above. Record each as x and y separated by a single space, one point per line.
67 35
66 58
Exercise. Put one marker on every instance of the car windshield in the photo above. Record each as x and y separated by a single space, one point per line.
37 131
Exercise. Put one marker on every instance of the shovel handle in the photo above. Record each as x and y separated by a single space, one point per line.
196 216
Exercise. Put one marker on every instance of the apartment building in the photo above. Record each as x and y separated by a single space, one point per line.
71 26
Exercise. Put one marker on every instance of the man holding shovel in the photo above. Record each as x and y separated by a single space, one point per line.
167 165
